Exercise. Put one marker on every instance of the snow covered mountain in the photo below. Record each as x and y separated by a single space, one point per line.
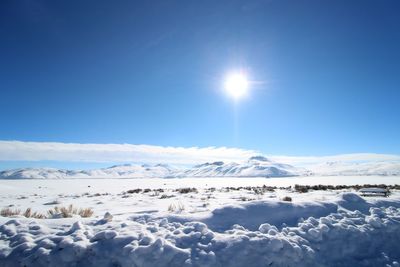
257 166
356 168
254 167
118 171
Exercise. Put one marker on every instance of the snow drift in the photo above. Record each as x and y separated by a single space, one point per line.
341 237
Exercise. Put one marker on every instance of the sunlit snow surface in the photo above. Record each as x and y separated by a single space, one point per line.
211 227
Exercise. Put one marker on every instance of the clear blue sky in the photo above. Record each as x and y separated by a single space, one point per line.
151 72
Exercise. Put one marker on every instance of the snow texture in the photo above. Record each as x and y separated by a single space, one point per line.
348 231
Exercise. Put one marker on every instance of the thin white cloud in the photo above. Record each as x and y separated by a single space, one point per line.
39 151
76 152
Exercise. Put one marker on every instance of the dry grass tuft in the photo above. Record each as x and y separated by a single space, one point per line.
176 207
55 212
29 214
85 213
7 212
66 212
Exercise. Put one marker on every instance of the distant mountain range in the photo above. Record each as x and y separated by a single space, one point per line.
357 168
118 171
257 166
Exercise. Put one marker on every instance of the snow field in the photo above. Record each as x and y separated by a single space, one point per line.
343 237
209 226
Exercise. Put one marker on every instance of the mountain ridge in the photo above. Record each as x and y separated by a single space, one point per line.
256 166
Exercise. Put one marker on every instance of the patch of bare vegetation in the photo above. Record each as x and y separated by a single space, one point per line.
154 192
56 212
258 190
54 202
176 207
66 212
164 196
306 188
7 212
134 191
29 214
186 190
99 195
159 190
85 213
288 199
246 199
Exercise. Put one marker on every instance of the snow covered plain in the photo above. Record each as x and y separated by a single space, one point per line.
151 222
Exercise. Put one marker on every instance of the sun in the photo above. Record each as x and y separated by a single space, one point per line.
236 85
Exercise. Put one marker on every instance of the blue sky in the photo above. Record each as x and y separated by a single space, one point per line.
151 72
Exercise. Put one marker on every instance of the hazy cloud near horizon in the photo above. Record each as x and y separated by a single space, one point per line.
76 152
54 151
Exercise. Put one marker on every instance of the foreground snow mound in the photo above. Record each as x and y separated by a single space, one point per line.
251 215
353 202
277 213
344 238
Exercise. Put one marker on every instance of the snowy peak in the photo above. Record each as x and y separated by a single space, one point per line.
258 159
216 163
257 166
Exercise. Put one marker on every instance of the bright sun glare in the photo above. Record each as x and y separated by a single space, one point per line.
236 85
